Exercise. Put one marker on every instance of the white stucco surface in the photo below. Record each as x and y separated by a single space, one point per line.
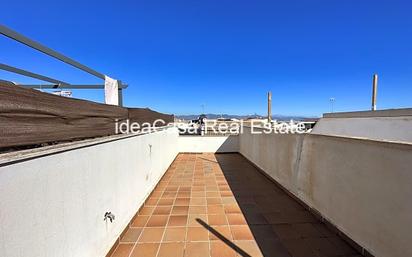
376 128
361 186
54 205
208 144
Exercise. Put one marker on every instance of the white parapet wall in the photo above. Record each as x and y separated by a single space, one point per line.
377 128
53 200
363 187
383 125
208 144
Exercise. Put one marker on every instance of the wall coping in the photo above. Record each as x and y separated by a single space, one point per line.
368 114
29 154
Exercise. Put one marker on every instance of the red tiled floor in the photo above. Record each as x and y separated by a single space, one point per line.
215 209
197 234
123 250
140 221
198 201
214 200
146 210
145 250
193 220
223 231
250 247
175 234
197 209
220 249
217 219
177 221
157 221
162 210
180 210
232 208
182 201
241 232
198 194
165 202
151 235
171 250
236 219
131 235
210 205
197 249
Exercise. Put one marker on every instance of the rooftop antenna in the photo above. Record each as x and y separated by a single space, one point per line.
374 91
332 101
269 106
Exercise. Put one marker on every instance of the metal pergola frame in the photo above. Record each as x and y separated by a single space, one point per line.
56 84
31 74
60 86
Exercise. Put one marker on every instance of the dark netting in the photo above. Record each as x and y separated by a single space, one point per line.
30 117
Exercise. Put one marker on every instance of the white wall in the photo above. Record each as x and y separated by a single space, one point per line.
361 186
377 128
208 144
54 205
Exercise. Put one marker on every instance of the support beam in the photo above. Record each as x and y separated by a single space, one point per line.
120 93
54 86
113 88
35 45
31 74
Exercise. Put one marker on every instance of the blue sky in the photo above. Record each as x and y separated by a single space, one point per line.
178 55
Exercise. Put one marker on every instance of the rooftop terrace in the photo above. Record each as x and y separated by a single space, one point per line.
219 205
245 195
342 190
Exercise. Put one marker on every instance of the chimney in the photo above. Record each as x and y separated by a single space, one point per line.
269 106
374 91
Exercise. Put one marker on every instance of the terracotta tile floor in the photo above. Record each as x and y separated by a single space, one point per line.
211 205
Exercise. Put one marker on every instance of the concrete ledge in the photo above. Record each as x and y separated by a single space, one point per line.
9 158
367 114
396 128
